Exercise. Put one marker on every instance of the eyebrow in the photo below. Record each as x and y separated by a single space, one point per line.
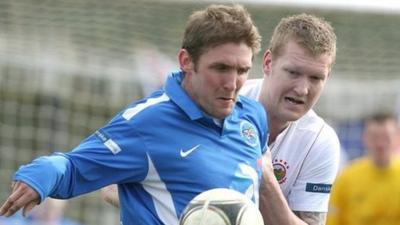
216 64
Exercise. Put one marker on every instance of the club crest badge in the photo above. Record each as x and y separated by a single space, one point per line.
280 170
249 133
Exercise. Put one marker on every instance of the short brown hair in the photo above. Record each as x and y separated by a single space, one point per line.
380 117
311 32
219 24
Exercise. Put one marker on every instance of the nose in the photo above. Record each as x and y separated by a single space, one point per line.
301 87
230 81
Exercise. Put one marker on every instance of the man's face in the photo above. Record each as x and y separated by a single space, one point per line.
217 78
293 81
380 140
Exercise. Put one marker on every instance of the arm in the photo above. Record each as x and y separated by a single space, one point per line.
273 205
35 181
309 206
88 167
110 195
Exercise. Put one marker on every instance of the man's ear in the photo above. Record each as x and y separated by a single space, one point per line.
185 60
266 65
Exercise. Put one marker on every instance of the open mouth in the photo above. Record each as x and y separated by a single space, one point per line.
294 101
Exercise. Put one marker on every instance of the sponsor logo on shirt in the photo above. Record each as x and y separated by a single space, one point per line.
319 188
107 141
249 133
280 169
185 153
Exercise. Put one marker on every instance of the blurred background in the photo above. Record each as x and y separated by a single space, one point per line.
66 67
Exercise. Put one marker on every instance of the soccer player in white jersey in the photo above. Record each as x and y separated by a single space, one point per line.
304 148
193 135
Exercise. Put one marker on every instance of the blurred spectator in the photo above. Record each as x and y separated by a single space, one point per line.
397 151
368 190
50 212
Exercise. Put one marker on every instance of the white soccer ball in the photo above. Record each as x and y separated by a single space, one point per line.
221 206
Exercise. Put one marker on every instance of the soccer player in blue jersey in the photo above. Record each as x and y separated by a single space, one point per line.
193 135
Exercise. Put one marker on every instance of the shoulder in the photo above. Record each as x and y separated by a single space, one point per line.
323 143
148 106
355 168
310 121
325 136
252 88
252 110
249 95
249 104
144 112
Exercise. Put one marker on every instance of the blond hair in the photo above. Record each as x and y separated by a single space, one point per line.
311 32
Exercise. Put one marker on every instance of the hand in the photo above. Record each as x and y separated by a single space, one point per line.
22 196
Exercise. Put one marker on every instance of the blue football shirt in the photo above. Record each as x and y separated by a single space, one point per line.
161 151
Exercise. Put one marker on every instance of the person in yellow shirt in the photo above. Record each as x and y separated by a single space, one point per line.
367 191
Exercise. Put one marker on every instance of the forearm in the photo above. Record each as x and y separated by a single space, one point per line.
44 174
273 205
313 218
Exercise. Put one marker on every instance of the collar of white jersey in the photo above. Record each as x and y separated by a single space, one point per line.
180 97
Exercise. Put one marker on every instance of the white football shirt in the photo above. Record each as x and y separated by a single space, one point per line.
305 158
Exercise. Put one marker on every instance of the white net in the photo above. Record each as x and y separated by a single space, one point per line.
67 66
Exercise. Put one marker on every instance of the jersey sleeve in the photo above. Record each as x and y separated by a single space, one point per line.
262 127
310 192
113 154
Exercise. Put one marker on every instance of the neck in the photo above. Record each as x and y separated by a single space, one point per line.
275 124
275 128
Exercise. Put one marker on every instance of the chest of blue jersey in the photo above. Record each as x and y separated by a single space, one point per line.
180 153
203 155
193 156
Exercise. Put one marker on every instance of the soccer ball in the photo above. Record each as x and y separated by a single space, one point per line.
221 206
